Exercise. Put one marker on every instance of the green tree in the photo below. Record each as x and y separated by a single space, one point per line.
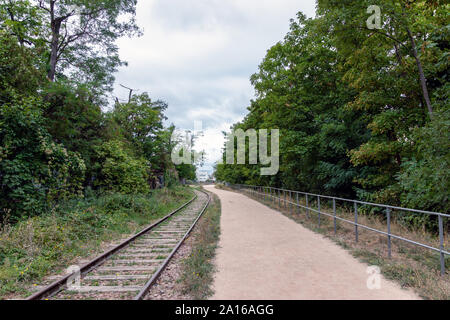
19 74
388 68
73 119
79 35
121 170
425 178
34 170
141 119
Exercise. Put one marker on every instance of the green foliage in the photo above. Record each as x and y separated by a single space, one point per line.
352 105
187 171
32 249
35 171
425 179
140 118
383 68
73 119
121 171
76 38
300 91
55 139
18 73
171 178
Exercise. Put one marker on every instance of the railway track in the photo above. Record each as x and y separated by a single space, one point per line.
128 270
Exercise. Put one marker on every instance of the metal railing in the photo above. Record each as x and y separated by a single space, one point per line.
280 196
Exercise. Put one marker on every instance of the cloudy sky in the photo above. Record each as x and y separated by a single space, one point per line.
198 56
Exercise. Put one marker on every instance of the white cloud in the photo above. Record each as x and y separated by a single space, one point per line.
198 56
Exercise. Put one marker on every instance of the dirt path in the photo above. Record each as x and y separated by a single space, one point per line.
264 255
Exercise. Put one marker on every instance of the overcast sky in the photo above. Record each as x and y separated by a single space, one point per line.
198 56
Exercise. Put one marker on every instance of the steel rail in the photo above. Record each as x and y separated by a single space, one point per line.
58 285
157 274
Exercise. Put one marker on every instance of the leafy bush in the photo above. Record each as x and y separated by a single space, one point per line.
121 171
73 119
18 74
34 170
171 178
425 179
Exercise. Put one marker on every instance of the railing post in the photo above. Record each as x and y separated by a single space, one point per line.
356 222
307 207
388 213
298 204
285 203
334 213
318 208
290 202
441 240
279 199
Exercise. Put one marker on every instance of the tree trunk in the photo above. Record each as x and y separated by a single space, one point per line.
53 55
56 27
423 80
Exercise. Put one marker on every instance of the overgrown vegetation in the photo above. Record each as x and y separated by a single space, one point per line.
36 247
57 64
72 175
198 268
363 114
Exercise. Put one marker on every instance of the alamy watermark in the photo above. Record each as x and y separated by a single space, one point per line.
259 151
271 159
236 145
74 281
374 21
374 280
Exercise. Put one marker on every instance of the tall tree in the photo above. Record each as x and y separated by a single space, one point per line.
408 27
79 34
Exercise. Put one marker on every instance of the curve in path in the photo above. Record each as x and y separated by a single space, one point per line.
265 255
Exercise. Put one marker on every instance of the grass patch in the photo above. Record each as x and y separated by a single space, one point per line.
39 246
198 268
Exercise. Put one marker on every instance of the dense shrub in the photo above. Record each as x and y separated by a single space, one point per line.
34 170
425 179
121 171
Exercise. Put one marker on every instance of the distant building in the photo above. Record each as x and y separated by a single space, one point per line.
202 176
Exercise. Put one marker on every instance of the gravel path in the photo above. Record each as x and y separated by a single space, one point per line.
264 255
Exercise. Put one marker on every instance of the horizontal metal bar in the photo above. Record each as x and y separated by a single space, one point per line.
364 227
366 203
